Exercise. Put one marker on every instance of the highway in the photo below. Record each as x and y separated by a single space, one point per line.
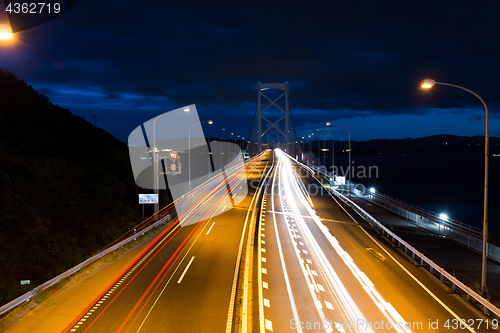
183 281
315 268
322 272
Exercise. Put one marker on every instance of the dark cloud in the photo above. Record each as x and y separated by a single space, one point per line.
348 59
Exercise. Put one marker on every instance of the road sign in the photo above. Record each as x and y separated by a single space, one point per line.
24 282
173 166
148 198
173 155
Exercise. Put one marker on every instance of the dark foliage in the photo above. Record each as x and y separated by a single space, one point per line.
66 188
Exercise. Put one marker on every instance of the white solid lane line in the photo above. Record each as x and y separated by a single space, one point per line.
185 270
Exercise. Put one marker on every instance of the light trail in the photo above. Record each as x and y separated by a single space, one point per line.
293 190
220 192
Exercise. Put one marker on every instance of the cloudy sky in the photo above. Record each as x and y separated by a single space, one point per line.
359 63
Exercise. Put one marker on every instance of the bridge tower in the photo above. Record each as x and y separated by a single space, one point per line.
277 133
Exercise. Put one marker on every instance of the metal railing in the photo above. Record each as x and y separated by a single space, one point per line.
457 231
487 306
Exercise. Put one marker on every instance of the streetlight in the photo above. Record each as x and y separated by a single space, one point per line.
333 150
210 122
210 150
155 163
429 83
5 32
328 123
324 147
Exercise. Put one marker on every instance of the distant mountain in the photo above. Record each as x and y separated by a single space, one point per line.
431 145
66 188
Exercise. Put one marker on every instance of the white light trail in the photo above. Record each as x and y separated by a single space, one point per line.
389 312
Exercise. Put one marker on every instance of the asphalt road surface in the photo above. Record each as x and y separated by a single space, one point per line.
322 272
183 281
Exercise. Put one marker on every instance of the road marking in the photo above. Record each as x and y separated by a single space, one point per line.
265 285
280 250
210 228
339 327
223 208
375 253
269 325
185 270
417 281
329 305
267 303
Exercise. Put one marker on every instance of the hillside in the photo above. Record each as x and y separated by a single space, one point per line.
66 188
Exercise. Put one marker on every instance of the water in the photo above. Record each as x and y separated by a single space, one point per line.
452 185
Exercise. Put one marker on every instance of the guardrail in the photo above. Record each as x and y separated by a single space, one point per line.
487 306
27 296
457 231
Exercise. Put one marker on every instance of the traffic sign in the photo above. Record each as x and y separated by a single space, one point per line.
23 282
173 155
148 198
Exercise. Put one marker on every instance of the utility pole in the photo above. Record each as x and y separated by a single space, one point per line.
95 119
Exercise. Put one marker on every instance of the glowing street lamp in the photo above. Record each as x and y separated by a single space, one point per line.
443 217
333 150
429 83
5 32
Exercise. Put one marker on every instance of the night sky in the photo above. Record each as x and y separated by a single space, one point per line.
359 63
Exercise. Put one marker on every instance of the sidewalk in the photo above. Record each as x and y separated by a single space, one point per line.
449 255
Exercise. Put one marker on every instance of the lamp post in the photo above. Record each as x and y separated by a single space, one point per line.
228 147
429 83
324 145
333 150
210 150
328 124
210 122
155 162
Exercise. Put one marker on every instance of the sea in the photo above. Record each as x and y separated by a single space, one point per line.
452 185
